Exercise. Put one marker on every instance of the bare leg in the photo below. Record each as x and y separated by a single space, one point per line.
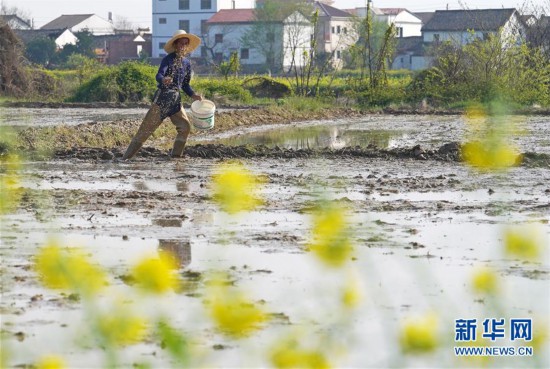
183 127
149 124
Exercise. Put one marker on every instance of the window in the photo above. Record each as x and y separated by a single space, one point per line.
161 45
333 30
184 25
338 54
162 20
399 31
345 30
204 52
218 57
206 4
218 38
184 5
436 37
270 37
244 53
338 29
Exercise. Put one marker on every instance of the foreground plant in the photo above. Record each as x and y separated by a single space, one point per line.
235 188
233 312
489 147
331 233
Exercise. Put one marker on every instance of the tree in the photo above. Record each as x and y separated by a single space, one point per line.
373 50
41 50
230 67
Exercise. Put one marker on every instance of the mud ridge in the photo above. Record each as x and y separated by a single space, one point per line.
447 152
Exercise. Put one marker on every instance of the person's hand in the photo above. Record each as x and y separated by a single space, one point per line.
196 97
167 80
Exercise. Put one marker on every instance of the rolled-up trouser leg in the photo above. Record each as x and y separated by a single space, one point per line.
149 124
183 127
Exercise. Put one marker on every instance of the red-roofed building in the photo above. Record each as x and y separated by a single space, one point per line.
229 30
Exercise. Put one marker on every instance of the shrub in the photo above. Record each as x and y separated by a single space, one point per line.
127 82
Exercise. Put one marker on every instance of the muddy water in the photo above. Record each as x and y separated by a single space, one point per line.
420 230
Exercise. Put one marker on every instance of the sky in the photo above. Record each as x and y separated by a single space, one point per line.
138 12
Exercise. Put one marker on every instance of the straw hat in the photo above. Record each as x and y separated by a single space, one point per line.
194 41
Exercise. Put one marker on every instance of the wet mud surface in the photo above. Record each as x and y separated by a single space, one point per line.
423 221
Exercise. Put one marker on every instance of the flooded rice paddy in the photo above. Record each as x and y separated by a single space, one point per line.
421 229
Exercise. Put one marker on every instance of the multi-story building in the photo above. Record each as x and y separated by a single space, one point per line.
190 16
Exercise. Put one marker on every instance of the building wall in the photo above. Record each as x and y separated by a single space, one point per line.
232 34
67 37
169 13
297 34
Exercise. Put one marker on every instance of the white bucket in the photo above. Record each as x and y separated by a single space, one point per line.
202 114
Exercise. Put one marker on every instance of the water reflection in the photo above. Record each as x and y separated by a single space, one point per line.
140 186
317 137
180 250
168 222
182 186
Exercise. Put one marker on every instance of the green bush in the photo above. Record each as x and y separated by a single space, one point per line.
222 90
127 82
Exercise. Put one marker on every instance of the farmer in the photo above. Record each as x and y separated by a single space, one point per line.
174 74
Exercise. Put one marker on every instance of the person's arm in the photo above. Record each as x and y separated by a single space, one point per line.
163 69
185 86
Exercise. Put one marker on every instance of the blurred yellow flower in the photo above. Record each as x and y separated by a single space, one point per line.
525 241
51 362
235 188
485 280
10 188
331 235
290 354
540 337
232 311
420 334
352 293
155 275
119 327
68 269
487 156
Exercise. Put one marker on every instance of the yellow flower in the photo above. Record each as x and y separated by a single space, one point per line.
119 327
155 274
68 270
486 155
419 335
290 354
235 188
232 311
331 235
484 280
352 293
51 362
525 241
540 337
10 188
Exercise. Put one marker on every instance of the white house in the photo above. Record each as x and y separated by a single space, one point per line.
334 32
82 22
459 27
228 28
61 37
15 22
464 26
406 23
224 32
190 16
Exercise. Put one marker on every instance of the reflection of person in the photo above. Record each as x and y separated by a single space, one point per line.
174 74
178 250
